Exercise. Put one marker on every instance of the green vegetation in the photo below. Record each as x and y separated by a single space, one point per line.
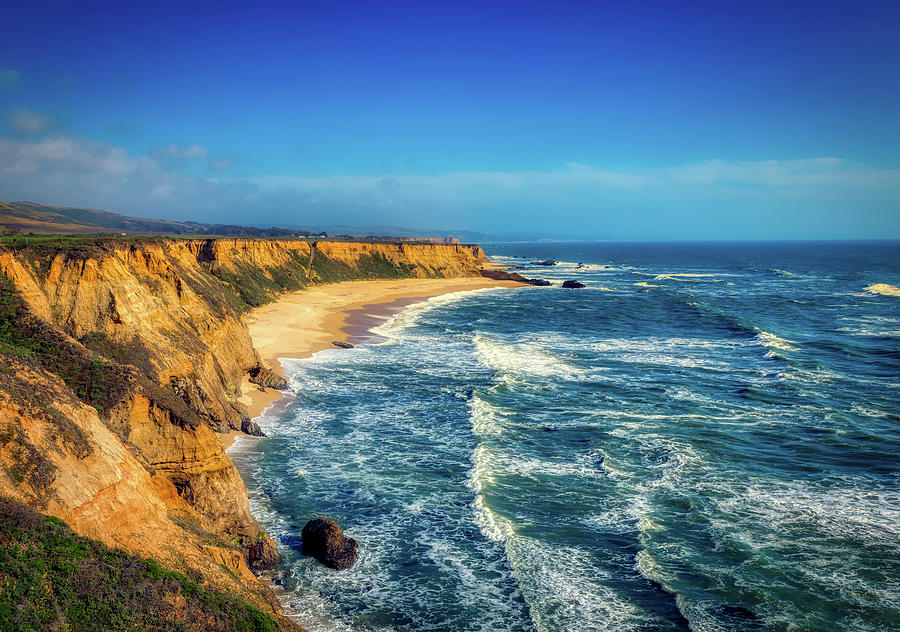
133 353
52 579
25 464
97 381
75 246
251 284
374 266
257 287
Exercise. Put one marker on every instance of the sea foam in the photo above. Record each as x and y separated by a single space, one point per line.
885 289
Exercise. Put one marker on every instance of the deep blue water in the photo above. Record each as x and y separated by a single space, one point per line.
706 438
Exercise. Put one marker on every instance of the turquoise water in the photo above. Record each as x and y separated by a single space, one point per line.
705 438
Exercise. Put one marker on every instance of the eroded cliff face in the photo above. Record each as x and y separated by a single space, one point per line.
58 455
120 360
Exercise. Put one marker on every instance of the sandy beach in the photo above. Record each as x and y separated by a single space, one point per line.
301 323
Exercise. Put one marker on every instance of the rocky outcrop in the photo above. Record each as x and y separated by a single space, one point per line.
324 540
342 345
572 284
267 378
544 263
503 275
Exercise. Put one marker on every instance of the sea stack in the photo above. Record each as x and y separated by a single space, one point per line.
324 540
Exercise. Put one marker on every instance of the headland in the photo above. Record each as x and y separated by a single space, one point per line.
122 360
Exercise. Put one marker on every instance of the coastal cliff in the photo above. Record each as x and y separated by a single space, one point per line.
121 359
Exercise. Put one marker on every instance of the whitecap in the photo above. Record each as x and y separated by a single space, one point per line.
527 359
567 589
774 343
486 418
681 275
885 289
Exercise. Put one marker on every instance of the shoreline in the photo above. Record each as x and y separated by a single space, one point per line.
305 322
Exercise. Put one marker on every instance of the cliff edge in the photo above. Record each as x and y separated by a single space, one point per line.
120 359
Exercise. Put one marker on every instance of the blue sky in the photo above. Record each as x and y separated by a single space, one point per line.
662 120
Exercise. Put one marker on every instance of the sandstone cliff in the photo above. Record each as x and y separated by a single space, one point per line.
118 361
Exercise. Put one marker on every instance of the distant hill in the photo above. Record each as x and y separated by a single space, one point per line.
32 217
67 220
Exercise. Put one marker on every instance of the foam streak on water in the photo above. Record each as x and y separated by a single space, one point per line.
712 450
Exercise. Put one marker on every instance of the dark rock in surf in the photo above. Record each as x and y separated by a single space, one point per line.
545 262
573 284
250 427
324 540
262 555
342 345
267 378
503 275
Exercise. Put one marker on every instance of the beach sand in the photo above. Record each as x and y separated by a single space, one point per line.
301 323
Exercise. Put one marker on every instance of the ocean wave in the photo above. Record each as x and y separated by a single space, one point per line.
884 289
542 468
528 359
476 579
810 376
872 326
672 352
645 284
681 275
856 512
653 344
492 526
394 326
568 589
872 412
782 273
781 531
486 418
774 344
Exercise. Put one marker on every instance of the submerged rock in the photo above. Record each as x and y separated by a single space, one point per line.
267 378
572 284
324 540
342 345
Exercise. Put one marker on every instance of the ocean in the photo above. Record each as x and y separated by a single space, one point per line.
706 437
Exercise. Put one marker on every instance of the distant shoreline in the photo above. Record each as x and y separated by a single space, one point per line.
302 323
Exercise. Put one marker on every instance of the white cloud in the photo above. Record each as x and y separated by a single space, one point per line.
219 165
771 175
28 122
178 152
821 193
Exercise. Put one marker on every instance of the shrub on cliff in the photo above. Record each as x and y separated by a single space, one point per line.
51 578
